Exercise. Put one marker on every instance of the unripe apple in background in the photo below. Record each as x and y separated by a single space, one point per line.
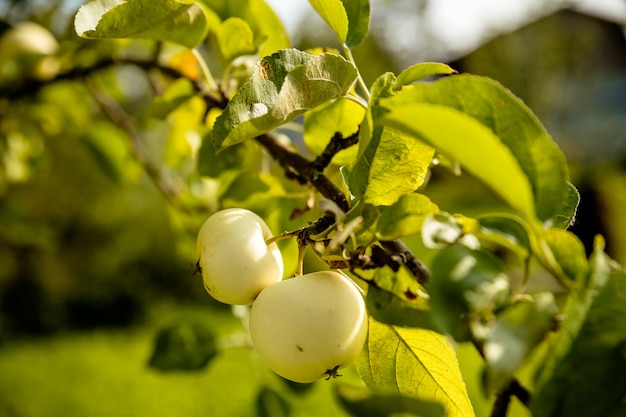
306 328
235 261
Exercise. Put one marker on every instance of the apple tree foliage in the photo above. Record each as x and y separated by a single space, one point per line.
342 169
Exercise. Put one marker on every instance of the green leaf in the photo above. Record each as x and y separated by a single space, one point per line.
286 85
513 123
349 19
565 217
235 38
270 34
405 217
463 138
320 124
184 346
176 94
569 253
414 362
361 402
395 298
334 14
390 163
583 373
167 20
505 230
270 403
440 230
358 12
517 331
466 285
420 71
211 164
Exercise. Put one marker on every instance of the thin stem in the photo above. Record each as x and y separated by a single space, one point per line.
213 87
503 399
118 116
348 52
358 100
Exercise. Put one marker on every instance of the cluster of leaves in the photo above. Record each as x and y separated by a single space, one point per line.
405 125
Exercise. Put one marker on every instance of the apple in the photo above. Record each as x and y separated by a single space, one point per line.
308 327
235 262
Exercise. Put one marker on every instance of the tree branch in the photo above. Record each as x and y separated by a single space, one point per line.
307 172
503 399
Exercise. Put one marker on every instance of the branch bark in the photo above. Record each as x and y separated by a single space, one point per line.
307 172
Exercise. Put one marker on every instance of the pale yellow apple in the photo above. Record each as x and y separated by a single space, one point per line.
308 327
235 261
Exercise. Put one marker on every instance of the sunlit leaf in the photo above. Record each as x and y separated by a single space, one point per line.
420 71
583 373
286 85
390 162
361 402
185 346
320 124
167 20
405 216
517 331
463 138
513 123
334 13
414 362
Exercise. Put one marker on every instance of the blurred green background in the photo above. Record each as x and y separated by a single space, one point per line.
94 261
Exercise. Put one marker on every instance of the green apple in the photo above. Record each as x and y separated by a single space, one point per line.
306 328
235 261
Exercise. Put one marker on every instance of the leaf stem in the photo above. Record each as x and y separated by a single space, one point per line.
213 87
348 52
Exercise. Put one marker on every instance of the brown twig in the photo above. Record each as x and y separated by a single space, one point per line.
503 399
306 172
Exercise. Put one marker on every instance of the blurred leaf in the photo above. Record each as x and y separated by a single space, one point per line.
395 298
517 331
235 38
440 230
405 217
320 124
270 403
465 281
480 151
413 362
420 71
210 164
166 20
250 188
506 230
583 373
270 34
286 85
106 143
176 94
569 253
185 346
361 402
512 122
